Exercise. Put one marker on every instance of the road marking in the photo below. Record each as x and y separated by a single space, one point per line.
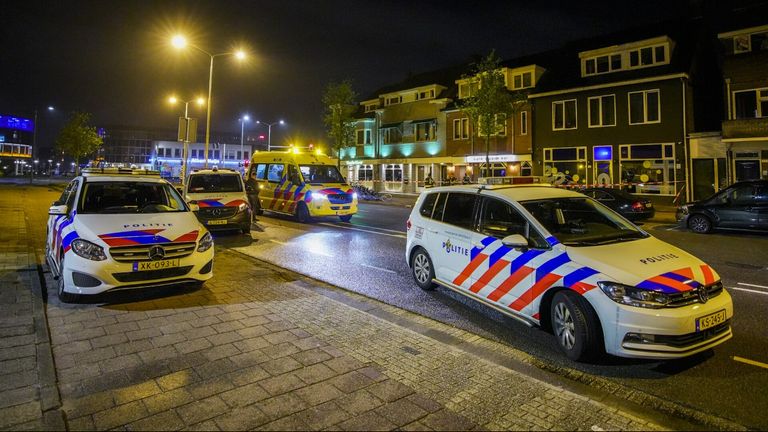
378 268
749 290
751 285
377 228
363 230
278 242
750 362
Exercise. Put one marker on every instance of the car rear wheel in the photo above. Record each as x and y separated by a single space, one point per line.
576 327
699 224
422 270
64 296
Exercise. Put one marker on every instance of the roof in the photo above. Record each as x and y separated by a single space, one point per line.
513 192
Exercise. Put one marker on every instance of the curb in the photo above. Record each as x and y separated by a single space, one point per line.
597 388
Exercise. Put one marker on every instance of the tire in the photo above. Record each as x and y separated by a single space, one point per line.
422 269
699 224
246 230
302 213
576 327
64 296
345 218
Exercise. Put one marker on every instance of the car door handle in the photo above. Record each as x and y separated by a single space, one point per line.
432 231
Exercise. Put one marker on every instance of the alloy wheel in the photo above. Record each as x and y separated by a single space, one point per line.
564 326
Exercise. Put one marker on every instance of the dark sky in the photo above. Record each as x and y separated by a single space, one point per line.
113 58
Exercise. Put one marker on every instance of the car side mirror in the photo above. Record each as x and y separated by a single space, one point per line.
56 210
515 241
193 206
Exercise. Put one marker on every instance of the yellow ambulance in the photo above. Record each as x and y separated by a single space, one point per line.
302 184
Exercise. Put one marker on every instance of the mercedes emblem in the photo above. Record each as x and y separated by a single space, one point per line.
156 253
216 212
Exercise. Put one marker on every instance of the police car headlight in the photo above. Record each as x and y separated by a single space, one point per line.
242 207
634 296
354 195
88 250
318 196
205 243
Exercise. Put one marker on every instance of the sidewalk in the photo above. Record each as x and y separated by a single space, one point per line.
262 348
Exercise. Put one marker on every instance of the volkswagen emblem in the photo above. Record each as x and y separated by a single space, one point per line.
216 212
156 253
703 294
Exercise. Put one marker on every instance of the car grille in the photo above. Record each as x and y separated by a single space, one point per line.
340 198
141 252
139 276
692 296
217 212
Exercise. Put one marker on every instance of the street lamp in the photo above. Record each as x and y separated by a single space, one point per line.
242 121
269 131
185 151
180 42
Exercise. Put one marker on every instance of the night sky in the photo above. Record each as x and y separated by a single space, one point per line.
114 60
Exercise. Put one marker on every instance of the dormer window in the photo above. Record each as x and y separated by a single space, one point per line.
522 80
393 100
602 64
647 53
426 94
648 56
371 107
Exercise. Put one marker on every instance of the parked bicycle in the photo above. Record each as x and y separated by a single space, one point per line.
368 194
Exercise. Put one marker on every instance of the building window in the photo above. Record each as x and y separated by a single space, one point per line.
644 107
425 131
427 94
648 168
499 126
648 56
564 115
371 107
750 42
177 152
393 173
461 129
365 173
239 155
392 135
565 165
216 154
524 123
245 156
194 153
363 136
522 80
602 111
393 100
602 64
751 103
468 89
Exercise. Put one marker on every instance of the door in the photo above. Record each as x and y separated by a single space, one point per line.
747 169
704 178
272 188
761 205
256 176
603 175
735 208
453 237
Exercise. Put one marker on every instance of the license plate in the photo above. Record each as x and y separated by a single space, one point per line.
217 222
155 265
711 320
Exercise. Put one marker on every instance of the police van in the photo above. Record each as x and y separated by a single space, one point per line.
115 228
221 199
558 259
304 185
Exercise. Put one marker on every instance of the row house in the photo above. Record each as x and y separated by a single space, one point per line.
620 110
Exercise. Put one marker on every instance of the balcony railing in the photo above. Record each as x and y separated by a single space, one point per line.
746 128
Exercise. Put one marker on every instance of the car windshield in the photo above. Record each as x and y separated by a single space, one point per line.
129 197
321 174
582 222
200 183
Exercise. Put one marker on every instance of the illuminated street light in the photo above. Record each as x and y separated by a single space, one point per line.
269 131
242 121
180 42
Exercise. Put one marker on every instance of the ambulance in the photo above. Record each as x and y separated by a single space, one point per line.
304 185
560 260
115 228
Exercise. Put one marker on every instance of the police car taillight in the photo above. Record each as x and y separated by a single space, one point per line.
408 224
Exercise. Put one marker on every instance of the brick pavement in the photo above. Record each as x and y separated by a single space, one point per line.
262 348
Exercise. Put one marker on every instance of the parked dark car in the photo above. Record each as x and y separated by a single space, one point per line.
743 205
631 207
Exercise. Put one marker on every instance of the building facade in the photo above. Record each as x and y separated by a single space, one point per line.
16 138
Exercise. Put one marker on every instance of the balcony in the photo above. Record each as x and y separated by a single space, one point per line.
746 128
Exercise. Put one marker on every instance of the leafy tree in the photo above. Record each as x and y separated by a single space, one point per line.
489 104
78 139
339 102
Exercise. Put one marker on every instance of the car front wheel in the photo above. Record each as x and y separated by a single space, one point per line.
576 327
64 296
422 270
699 224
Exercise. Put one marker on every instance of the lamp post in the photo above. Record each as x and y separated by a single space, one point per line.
180 42
185 149
242 120
269 131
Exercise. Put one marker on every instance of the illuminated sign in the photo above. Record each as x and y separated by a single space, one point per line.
603 153
8 122
498 158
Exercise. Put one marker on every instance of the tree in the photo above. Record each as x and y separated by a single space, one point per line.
489 104
77 138
339 102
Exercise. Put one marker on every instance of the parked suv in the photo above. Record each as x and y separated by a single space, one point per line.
561 260
743 205
116 228
220 196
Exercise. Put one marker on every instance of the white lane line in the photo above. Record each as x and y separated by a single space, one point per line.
377 228
751 285
278 242
402 236
748 290
378 268
750 362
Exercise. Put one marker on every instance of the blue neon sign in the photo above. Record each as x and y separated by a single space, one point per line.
9 122
602 153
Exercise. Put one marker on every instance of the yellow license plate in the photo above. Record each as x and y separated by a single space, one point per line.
711 320
217 222
155 265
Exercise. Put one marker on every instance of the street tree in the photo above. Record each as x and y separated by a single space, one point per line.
78 139
339 102
489 104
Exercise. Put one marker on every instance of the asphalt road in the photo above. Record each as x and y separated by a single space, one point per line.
367 256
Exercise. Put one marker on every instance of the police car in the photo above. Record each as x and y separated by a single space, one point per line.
220 197
560 260
121 228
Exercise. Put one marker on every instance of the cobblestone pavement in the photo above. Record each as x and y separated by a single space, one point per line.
262 348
